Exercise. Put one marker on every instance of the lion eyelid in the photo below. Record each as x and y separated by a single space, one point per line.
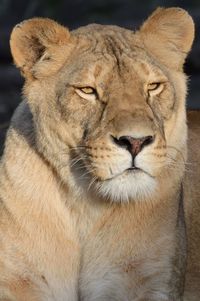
157 90
87 96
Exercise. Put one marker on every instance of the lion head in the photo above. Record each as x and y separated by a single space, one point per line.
108 104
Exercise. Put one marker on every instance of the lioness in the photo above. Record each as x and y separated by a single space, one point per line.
93 200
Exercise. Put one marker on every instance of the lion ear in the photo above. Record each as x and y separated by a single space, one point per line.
168 34
37 46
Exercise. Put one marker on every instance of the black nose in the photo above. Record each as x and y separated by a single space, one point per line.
133 145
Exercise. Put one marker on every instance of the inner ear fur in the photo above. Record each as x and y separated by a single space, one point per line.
168 34
37 42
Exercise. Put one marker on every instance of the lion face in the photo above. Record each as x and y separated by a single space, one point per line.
123 114
110 115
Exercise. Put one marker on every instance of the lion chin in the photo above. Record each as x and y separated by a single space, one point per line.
120 182
131 185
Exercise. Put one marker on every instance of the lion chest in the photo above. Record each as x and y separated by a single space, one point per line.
104 278
119 262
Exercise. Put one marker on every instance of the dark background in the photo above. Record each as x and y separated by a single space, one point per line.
127 13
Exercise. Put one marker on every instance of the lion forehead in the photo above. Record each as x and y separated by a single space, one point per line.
102 57
105 40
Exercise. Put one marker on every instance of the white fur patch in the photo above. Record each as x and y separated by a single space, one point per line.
125 187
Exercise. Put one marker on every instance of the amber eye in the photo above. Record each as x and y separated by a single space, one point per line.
153 86
88 90
87 93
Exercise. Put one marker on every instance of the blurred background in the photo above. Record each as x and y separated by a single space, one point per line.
73 13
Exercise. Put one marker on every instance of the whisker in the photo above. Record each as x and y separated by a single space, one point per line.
85 174
170 164
174 160
177 150
71 163
75 161
91 182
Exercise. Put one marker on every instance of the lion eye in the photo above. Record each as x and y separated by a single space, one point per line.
87 93
88 90
153 86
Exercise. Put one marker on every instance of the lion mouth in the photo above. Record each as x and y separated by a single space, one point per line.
82 170
133 169
136 170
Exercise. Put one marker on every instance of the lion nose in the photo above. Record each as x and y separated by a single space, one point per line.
133 145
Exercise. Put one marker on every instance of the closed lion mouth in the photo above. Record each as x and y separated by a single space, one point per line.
133 168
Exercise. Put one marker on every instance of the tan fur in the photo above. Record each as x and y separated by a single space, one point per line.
75 222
